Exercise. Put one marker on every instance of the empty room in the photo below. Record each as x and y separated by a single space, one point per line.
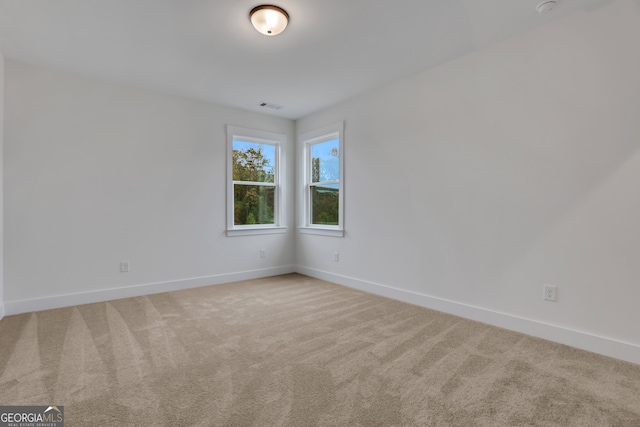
320 213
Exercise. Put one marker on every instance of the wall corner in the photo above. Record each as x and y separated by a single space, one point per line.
1 185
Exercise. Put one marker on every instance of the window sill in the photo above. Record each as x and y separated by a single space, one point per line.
252 231
334 232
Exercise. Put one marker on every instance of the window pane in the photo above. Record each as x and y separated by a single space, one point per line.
253 162
325 204
253 204
325 161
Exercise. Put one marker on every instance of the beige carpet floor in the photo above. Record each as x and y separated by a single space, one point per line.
296 351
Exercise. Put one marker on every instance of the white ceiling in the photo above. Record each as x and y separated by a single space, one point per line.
208 50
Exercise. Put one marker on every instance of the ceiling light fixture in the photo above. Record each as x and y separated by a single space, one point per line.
268 19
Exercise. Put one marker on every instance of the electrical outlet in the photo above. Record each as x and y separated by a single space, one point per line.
263 253
124 266
336 256
550 292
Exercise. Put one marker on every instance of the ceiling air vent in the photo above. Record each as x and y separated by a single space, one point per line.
270 105
546 6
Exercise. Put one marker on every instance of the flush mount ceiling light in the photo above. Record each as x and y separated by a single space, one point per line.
268 19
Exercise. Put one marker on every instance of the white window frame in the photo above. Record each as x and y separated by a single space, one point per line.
259 137
309 139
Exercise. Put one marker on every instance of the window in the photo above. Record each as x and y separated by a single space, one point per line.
324 184
254 196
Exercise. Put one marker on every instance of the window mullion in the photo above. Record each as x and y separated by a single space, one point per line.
315 184
265 184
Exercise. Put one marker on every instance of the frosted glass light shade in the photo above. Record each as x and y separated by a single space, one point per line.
269 20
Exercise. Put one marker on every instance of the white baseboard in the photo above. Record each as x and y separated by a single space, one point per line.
582 340
59 301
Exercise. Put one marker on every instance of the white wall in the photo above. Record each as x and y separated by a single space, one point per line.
96 173
475 183
1 185
467 187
